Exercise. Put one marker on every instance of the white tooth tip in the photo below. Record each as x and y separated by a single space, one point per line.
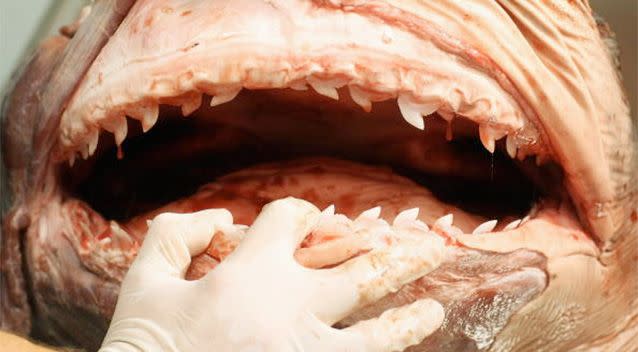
85 152
329 211
487 139
372 213
512 225
93 141
510 146
149 116
72 160
224 97
411 113
485 227
445 221
148 223
408 215
191 105
120 129
325 90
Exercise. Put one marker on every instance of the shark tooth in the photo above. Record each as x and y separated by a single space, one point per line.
323 88
485 227
372 213
299 85
147 114
94 137
512 225
360 97
72 160
85 152
224 96
486 138
510 146
406 216
120 131
118 126
329 211
410 113
444 221
191 104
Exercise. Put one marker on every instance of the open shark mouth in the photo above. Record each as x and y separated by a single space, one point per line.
373 107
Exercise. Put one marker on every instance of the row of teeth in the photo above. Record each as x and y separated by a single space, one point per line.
367 219
412 111
409 217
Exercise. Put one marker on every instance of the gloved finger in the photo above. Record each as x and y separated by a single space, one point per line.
279 228
396 329
367 278
172 239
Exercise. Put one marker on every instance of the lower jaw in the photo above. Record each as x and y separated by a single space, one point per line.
79 258
82 258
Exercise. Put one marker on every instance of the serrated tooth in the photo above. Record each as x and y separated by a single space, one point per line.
510 146
72 160
444 221
224 96
192 104
372 213
485 227
361 98
324 88
94 137
410 113
408 215
486 138
512 225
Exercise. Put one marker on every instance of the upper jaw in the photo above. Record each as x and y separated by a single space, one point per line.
412 52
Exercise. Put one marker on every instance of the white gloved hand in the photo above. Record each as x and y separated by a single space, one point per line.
259 298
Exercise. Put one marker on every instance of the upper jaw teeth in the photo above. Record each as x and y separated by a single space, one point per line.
413 113
412 108
326 88
224 96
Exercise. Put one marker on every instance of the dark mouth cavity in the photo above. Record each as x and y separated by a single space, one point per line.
179 154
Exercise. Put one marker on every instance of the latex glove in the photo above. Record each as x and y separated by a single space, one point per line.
259 298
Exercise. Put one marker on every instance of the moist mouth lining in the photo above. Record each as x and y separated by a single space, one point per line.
180 154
